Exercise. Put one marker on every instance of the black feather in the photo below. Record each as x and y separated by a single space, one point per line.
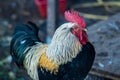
80 66
25 35
75 70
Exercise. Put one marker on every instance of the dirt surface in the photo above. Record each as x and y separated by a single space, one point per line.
105 36
13 12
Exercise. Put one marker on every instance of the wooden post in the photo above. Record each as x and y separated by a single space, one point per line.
52 20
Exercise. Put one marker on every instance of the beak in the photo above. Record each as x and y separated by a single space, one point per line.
84 29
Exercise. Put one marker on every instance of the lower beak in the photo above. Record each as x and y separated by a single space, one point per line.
84 29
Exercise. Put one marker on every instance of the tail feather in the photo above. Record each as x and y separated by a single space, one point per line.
25 36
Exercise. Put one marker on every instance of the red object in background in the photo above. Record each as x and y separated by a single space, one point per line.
42 6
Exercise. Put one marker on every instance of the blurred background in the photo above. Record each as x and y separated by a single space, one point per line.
13 12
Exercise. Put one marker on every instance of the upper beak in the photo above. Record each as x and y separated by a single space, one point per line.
78 28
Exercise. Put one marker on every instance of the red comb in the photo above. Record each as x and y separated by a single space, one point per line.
74 16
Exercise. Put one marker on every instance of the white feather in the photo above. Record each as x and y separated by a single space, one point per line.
64 46
31 60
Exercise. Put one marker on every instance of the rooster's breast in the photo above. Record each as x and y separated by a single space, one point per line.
77 69
80 66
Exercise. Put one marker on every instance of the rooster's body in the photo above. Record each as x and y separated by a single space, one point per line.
67 57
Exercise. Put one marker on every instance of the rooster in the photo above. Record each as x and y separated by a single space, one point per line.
69 56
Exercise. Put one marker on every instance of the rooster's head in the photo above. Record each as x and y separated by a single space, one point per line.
68 39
